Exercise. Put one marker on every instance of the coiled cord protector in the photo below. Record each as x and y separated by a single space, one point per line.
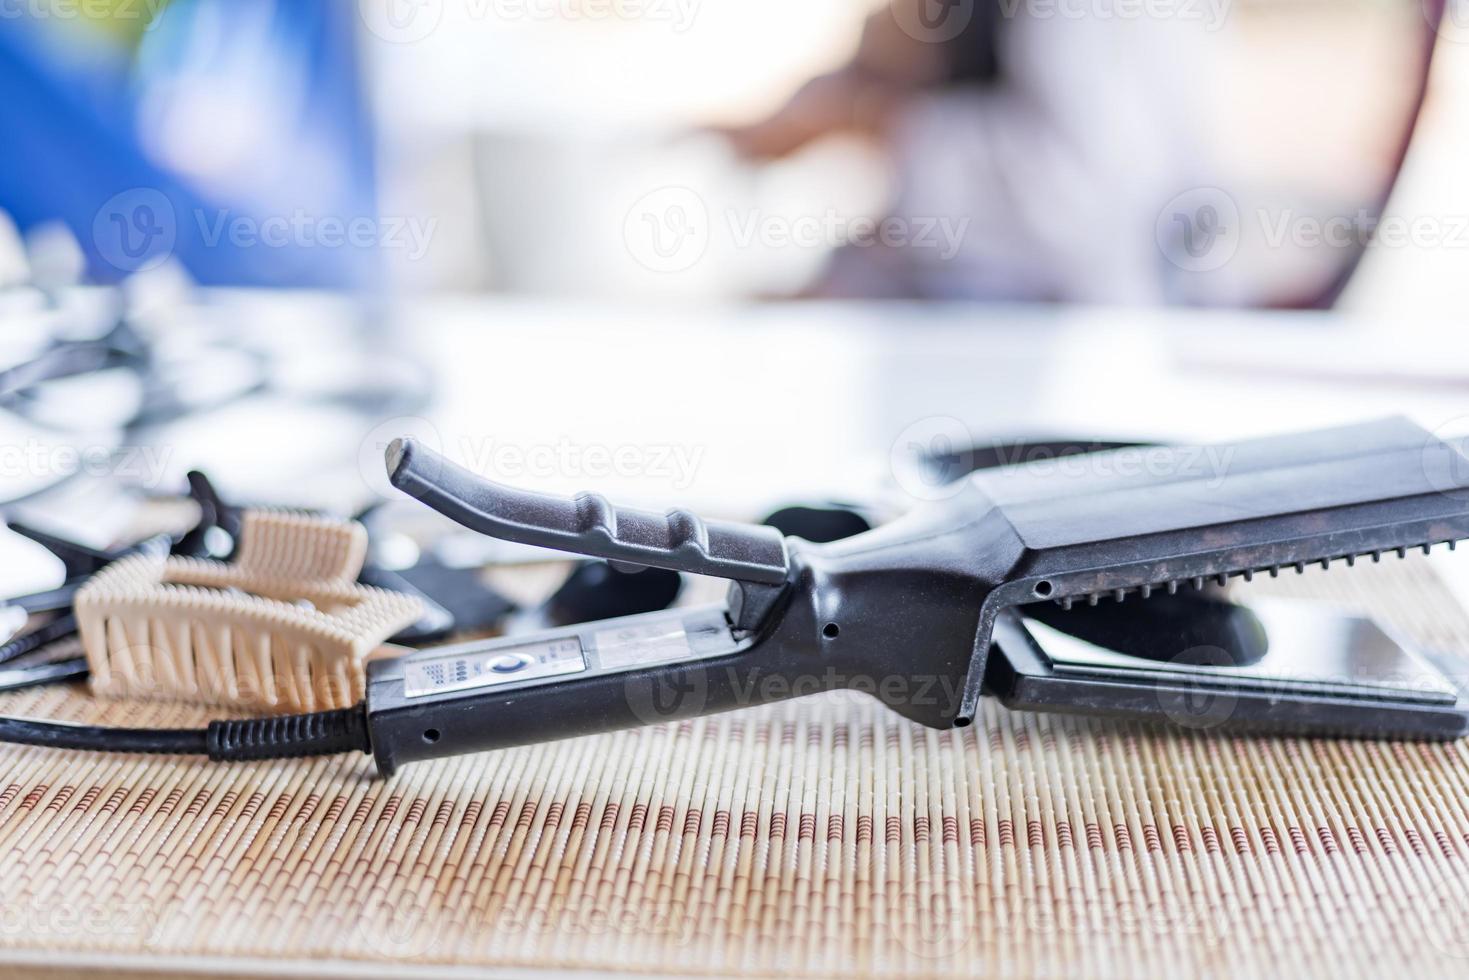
289 736
284 737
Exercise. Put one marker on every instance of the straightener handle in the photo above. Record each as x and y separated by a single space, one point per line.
587 524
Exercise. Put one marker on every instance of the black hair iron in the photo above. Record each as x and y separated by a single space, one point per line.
973 595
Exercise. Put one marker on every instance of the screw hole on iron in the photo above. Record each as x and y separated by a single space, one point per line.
431 735
1043 588
831 631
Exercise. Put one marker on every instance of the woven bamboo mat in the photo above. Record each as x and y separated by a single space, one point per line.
821 837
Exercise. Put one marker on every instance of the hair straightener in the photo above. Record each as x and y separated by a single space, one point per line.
1024 583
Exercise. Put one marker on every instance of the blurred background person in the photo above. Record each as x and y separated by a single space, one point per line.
1049 130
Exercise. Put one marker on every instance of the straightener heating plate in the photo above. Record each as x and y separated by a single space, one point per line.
1313 649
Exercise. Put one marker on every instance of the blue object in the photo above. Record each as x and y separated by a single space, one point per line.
236 141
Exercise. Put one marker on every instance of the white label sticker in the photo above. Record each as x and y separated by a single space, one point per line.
496 665
640 645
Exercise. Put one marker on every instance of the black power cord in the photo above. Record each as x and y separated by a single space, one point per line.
285 737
